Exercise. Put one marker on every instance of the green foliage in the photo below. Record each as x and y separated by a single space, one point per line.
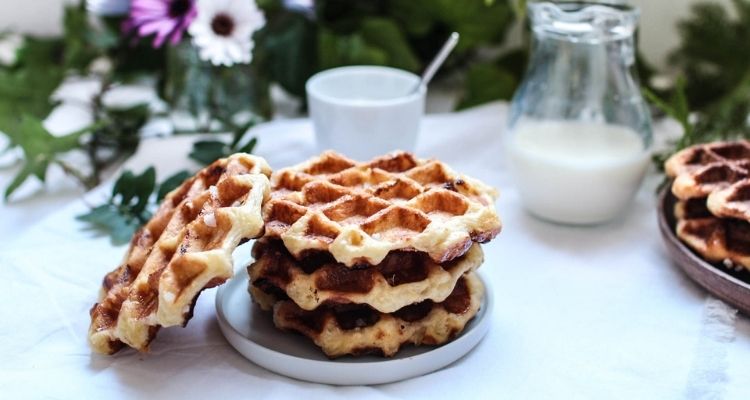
404 34
171 184
714 52
25 88
131 204
725 119
40 149
291 47
207 151
495 80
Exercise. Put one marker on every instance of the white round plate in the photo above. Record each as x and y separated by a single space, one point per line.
252 333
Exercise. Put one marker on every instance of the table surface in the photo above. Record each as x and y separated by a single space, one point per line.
596 312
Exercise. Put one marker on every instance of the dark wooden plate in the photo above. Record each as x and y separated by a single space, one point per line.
729 286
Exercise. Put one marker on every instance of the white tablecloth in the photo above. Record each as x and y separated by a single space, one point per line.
580 312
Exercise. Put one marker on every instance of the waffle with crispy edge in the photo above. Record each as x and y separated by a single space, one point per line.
357 329
186 247
702 169
359 212
725 240
402 278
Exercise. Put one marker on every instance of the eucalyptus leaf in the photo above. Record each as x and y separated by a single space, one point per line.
208 151
131 203
171 183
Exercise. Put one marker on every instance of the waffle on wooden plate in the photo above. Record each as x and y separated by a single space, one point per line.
186 247
401 279
718 240
712 185
359 329
359 212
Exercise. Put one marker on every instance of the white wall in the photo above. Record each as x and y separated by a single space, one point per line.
658 19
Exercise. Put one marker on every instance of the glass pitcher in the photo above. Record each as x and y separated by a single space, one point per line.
579 131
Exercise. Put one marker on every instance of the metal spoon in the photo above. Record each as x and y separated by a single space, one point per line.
437 61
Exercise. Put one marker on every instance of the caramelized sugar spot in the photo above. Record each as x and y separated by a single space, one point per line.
397 189
352 316
354 209
719 173
459 300
396 222
732 151
329 164
741 192
395 162
737 234
441 203
322 192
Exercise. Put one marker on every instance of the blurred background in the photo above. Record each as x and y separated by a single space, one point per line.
658 21
94 77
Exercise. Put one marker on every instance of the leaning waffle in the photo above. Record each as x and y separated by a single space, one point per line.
702 169
357 329
402 278
359 212
725 240
186 247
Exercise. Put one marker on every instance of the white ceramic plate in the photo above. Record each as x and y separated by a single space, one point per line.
252 333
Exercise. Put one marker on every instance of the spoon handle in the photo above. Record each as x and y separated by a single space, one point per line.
438 60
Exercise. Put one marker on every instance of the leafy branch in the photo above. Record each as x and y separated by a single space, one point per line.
133 199
208 151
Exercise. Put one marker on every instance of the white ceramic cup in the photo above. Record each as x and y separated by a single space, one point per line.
365 111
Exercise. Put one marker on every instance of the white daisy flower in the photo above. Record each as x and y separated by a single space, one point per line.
223 30
9 46
107 8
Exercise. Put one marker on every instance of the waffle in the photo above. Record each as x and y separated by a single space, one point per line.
725 240
402 278
732 201
357 329
186 247
702 169
359 212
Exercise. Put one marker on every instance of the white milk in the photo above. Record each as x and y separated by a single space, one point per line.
576 172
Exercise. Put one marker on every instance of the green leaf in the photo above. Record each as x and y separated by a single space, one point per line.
384 34
78 51
248 148
40 148
208 151
110 220
714 50
171 183
677 108
487 82
291 46
130 205
133 191
339 50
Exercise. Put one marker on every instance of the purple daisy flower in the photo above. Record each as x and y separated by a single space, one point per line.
166 19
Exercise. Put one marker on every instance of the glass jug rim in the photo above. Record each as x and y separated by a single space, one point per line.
588 21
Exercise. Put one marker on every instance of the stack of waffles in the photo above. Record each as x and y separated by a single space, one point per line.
186 247
366 257
712 187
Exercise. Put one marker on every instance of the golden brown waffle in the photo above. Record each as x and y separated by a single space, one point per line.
357 329
732 201
402 278
359 212
186 247
725 240
702 169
